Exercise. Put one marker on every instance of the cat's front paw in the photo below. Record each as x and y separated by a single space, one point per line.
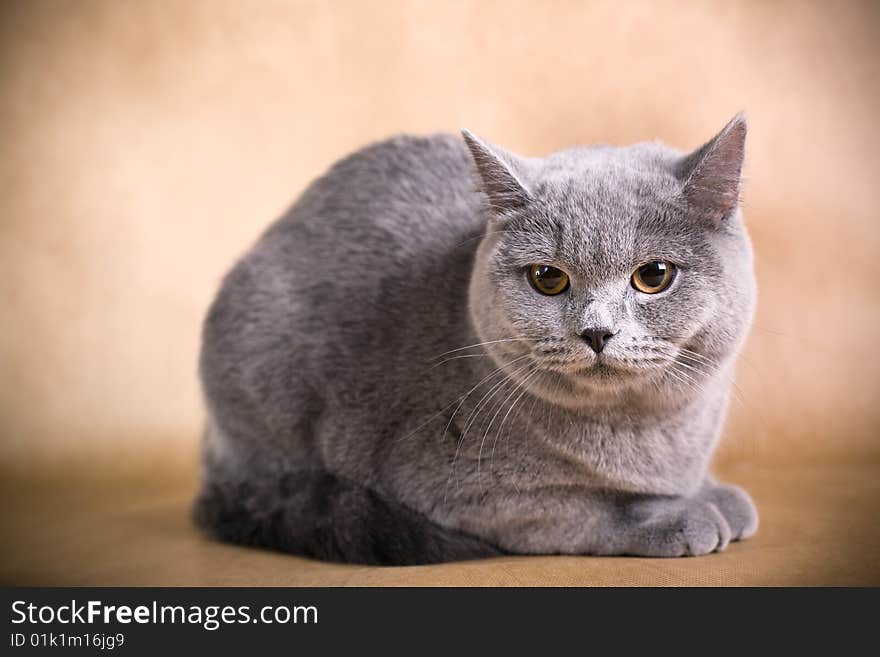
681 528
737 508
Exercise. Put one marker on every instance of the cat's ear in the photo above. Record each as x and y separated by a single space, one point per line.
711 175
499 174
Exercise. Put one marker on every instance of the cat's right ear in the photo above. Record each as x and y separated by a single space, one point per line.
499 175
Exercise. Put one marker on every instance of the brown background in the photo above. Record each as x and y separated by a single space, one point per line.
146 144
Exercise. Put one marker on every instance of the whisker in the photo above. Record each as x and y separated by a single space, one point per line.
693 355
504 419
695 383
491 393
446 360
736 391
535 399
469 392
492 421
678 376
460 400
480 344
693 367
426 422
472 417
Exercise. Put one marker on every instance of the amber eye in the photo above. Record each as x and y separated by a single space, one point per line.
548 280
653 277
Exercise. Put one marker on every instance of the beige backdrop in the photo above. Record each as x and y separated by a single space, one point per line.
146 144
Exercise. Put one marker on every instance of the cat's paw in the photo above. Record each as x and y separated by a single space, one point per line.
682 528
737 508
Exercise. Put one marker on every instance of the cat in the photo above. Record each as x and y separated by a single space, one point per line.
445 351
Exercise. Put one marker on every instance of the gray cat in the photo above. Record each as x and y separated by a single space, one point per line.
406 369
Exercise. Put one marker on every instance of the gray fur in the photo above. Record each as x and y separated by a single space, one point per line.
383 385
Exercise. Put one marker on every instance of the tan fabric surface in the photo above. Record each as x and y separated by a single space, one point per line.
818 527
144 145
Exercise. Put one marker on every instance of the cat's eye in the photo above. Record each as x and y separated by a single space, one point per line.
548 280
653 277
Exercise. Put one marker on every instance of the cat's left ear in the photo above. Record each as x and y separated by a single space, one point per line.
712 174
500 175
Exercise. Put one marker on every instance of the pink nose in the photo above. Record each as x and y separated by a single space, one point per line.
596 337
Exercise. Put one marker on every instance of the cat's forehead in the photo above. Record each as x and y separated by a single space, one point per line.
598 208
607 177
588 192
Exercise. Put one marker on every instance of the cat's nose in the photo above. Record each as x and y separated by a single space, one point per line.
596 337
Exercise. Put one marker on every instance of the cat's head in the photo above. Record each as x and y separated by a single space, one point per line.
607 270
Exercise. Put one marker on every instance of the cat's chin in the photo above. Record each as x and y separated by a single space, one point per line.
587 386
598 376
603 369
609 376
606 378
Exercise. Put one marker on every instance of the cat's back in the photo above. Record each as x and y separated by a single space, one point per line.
406 190
353 257
391 211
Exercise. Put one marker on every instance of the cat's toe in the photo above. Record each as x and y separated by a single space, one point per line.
705 530
692 530
737 508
